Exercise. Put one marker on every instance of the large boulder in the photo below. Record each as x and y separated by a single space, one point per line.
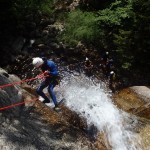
9 95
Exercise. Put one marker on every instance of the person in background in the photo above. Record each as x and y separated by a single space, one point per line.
104 60
112 78
109 66
105 57
49 69
88 66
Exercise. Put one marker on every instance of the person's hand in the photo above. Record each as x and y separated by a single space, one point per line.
46 73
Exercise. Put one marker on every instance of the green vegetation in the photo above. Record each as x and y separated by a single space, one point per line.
119 26
16 13
122 28
80 26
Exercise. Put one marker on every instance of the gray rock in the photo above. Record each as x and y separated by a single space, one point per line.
143 92
9 95
18 44
4 72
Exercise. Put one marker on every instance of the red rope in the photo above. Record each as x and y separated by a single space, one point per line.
19 82
17 104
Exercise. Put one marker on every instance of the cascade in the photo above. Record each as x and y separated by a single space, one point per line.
93 102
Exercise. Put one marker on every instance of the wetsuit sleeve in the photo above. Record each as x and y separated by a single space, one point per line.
53 68
54 73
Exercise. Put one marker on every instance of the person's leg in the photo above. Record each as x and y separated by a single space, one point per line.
41 93
52 94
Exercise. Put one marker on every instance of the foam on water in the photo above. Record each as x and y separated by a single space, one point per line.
94 103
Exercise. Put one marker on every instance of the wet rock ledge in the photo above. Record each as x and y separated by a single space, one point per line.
136 101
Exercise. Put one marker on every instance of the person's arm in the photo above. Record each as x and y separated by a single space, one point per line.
54 73
53 68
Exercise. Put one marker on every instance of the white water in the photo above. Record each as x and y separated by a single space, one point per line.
94 103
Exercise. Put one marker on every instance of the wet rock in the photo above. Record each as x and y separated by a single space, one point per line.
45 33
135 100
46 21
18 44
127 100
9 95
4 72
143 92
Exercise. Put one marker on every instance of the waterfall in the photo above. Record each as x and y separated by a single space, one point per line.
93 102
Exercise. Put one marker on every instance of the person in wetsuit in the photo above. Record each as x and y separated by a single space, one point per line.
50 69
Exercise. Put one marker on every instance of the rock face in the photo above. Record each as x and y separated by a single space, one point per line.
9 95
143 92
37 126
135 100
30 132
